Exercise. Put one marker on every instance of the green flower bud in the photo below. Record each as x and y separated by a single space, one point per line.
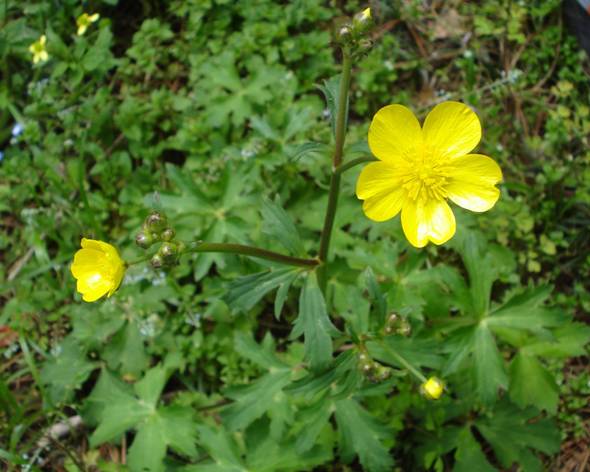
362 20
157 261
168 234
155 222
144 240
405 328
167 250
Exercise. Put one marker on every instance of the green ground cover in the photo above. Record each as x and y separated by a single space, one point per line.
214 113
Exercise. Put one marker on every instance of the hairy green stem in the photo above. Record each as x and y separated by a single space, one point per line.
406 364
254 252
355 162
337 160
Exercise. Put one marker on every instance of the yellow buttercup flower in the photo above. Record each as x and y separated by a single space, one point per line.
84 21
420 168
433 388
38 50
98 269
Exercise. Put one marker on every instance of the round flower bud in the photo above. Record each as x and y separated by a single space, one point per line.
143 240
168 234
167 250
155 222
405 328
157 262
433 388
344 33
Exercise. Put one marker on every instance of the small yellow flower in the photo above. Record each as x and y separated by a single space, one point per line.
366 14
98 268
84 21
433 388
38 50
420 168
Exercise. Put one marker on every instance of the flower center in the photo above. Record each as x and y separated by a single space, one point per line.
426 176
38 47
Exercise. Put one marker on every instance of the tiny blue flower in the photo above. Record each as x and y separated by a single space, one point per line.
17 129
1 156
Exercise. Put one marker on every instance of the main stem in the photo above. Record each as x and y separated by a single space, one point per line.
254 252
336 161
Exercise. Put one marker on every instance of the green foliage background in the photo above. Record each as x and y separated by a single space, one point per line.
215 106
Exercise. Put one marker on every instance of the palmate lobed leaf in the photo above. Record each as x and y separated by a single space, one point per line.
245 292
253 400
314 324
277 224
117 408
361 434
532 384
514 433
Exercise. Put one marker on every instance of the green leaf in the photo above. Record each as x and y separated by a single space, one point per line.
330 88
282 294
513 433
168 427
261 354
531 384
253 400
66 371
148 450
311 421
118 417
569 340
245 292
222 449
525 312
126 352
418 352
279 226
342 377
378 300
489 365
481 267
469 456
150 387
307 148
361 434
313 322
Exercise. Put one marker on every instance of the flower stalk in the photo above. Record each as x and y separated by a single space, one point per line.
341 119
254 252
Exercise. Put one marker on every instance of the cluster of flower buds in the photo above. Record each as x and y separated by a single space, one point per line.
155 230
354 35
374 371
397 324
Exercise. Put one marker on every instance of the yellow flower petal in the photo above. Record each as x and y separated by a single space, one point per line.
82 29
43 56
42 40
473 180
394 133
452 128
385 205
433 388
427 221
94 17
93 286
375 178
98 268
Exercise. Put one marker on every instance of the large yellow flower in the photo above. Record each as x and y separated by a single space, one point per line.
98 268
420 168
